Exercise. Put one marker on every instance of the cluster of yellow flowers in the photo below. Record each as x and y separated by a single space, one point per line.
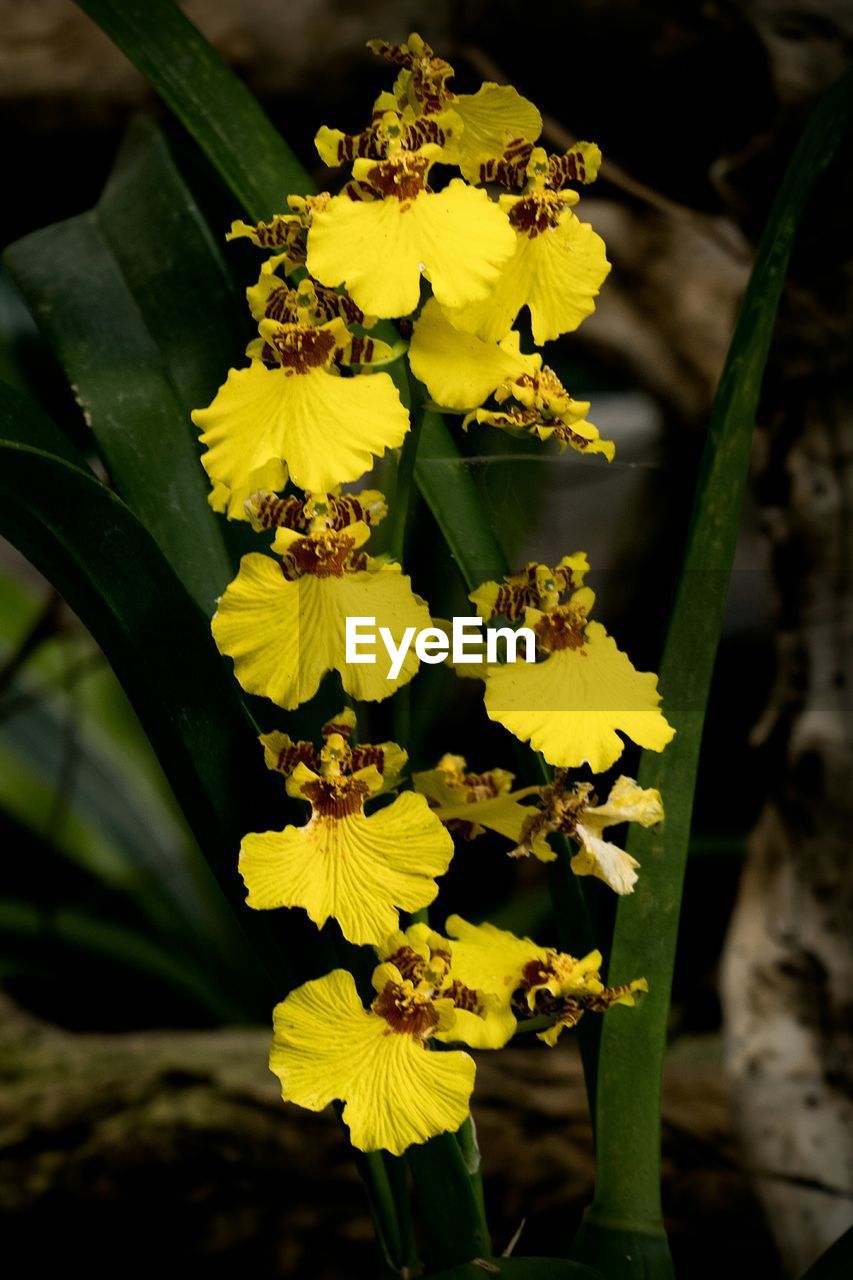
313 409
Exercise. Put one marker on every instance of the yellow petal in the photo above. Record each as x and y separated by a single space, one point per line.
490 1027
359 870
325 429
626 803
557 274
604 860
491 116
489 959
396 1091
457 238
458 369
271 477
502 814
573 705
284 636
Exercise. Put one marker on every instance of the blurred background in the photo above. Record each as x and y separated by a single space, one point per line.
134 1099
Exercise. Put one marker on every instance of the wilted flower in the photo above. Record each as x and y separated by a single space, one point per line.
573 811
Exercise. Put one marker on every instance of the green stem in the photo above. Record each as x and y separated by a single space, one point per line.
400 510
383 1208
398 1177
531 1025
623 1233
470 1148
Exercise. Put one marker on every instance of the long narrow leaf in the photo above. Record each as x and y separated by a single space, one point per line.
448 488
623 1232
110 571
137 304
209 100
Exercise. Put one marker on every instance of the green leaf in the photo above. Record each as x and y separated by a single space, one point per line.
626 1210
74 930
86 542
140 310
209 100
836 1263
448 487
451 1209
68 778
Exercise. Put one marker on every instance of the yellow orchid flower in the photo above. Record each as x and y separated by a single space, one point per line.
582 692
396 1093
284 622
390 132
521 164
534 981
487 118
480 1020
359 869
332 510
286 233
459 370
299 417
574 812
272 298
469 803
282 754
556 271
538 404
389 229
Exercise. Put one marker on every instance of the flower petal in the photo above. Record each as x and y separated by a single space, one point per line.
407 1094
489 959
458 238
491 1028
396 1092
502 814
357 869
285 635
605 860
458 369
573 706
326 429
557 274
490 116
322 1032
626 803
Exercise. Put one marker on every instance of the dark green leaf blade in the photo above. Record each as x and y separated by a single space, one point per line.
116 293
449 490
110 571
626 1210
209 100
